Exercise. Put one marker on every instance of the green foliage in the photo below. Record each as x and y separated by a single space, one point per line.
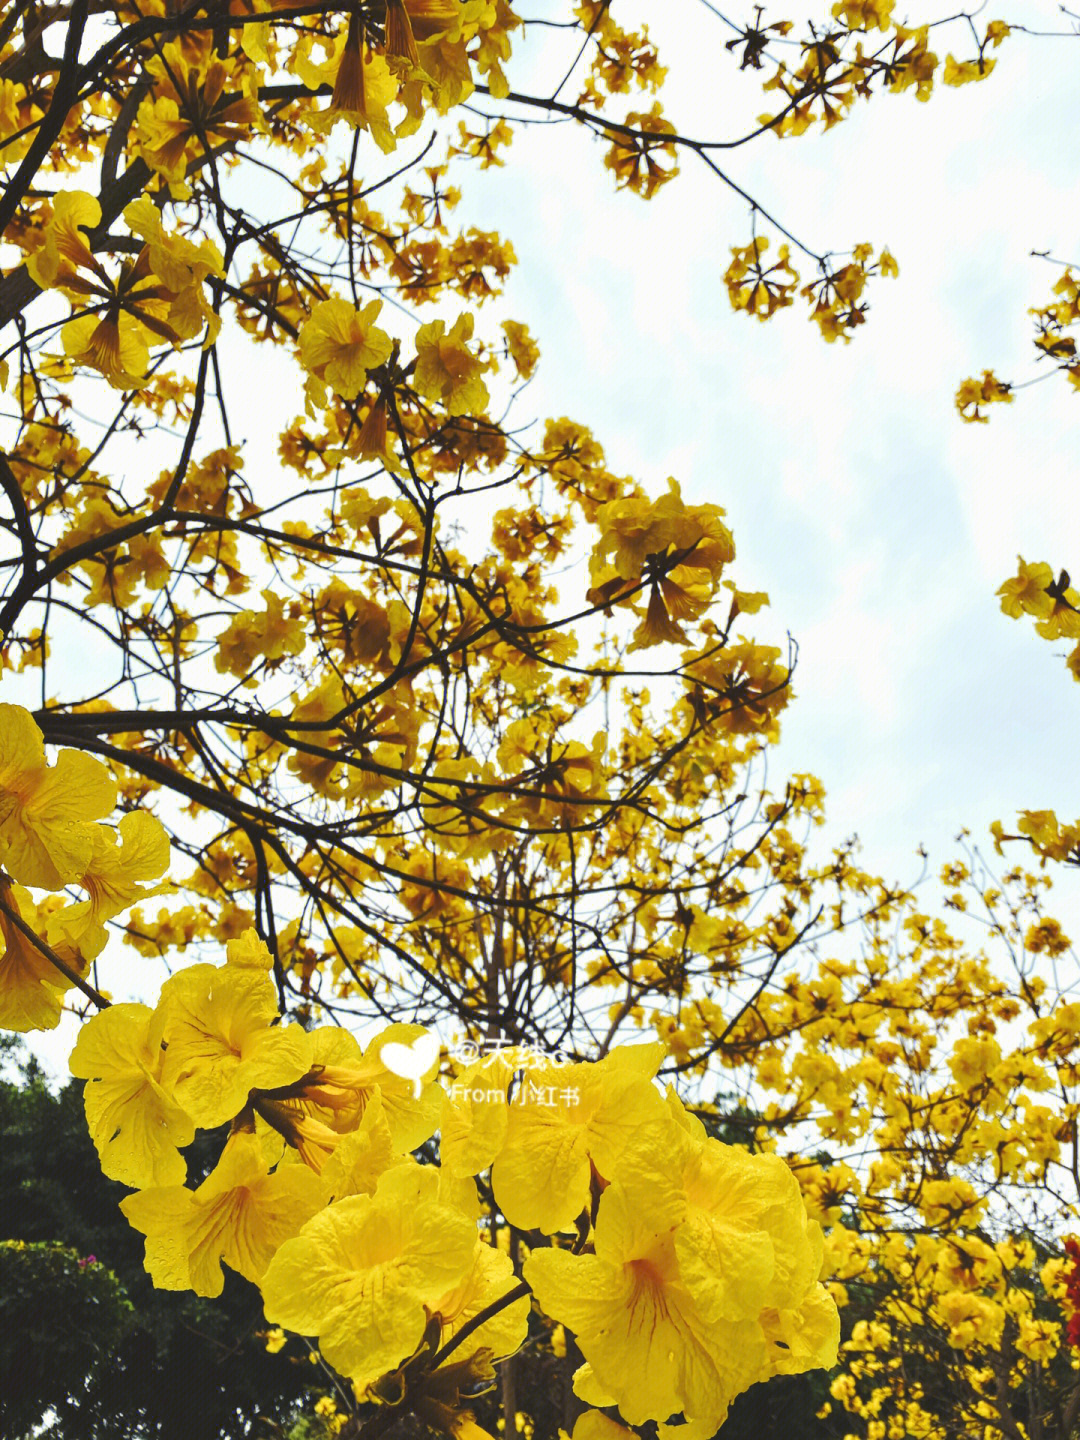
61 1314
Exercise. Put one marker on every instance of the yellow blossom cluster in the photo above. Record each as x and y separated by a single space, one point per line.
1052 603
760 290
51 838
316 1199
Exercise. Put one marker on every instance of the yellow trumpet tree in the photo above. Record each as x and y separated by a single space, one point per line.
466 920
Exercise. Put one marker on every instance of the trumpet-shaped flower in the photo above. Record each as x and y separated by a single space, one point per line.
635 528
221 1043
804 1338
64 249
363 85
746 1243
239 1214
345 1081
472 1130
341 345
576 1120
31 987
646 1340
364 1273
489 1277
45 837
705 1269
113 880
447 372
363 1156
136 1125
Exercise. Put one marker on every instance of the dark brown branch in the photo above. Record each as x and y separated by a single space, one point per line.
64 95
21 516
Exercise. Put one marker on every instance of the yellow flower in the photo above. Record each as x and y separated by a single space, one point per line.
1063 618
362 1156
804 1338
746 1244
136 1125
961 72
239 1214
363 1274
251 635
759 289
1027 593
575 1120
635 159
635 529
400 40
969 1319
522 348
1046 938
704 1280
950 1201
340 345
194 104
64 250
446 371
345 1082
20 112
113 880
114 345
363 85
472 1129
647 1344
45 839
158 296
221 1042
176 261
248 951
490 1276
974 394
864 14
972 1060
1039 1340
31 987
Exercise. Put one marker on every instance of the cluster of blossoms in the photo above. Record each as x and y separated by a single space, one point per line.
1054 605
1053 341
414 763
51 837
759 289
693 1270
701 1277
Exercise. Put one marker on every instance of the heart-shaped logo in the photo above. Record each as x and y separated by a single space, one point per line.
411 1061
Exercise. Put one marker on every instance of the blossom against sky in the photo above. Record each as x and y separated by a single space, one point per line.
878 523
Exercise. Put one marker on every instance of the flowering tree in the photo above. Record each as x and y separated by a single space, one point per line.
389 793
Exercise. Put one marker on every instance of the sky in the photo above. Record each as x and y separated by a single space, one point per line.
879 524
